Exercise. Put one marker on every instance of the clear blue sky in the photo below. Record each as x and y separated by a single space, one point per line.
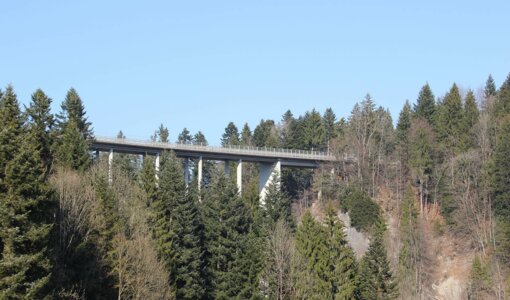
201 64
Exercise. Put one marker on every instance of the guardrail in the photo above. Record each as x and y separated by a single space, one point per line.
228 149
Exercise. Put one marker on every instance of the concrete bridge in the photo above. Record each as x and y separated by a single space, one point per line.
270 160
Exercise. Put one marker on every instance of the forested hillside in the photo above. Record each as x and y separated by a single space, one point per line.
431 196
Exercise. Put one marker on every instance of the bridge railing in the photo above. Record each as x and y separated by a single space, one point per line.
230 149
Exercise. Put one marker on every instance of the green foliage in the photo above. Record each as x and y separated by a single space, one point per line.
490 88
263 135
11 122
277 203
329 124
184 137
161 135
402 135
502 105
364 212
26 211
188 247
73 134
246 139
147 180
227 222
471 116
479 279
425 106
199 139
449 122
377 280
314 132
230 136
41 123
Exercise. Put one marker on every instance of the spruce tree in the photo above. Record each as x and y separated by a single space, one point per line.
277 203
340 269
246 135
230 136
490 88
41 122
402 133
377 282
502 107
227 239
500 173
425 105
189 263
471 115
329 121
310 249
184 137
25 223
11 123
171 188
199 139
73 134
125 162
147 179
262 134
314 131
449 123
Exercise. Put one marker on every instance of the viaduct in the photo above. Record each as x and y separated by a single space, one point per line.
270 160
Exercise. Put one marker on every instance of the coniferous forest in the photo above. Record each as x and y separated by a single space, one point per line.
416 207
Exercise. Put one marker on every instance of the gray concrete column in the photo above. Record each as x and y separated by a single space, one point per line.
200 162
186 171
110 166
227 168
240 176
267 172
156 166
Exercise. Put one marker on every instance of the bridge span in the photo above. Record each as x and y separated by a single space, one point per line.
270 160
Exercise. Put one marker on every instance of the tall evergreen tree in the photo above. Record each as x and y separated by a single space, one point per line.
450 121
314 131
227 238
161 135
184 137
41 122
147 179
74 133
503 99
339 266
490 88
377 282
277 203
126 163
11 123
25 224
199 139
471 115
171 188
188 247
262 134
230 136
402 133
501 191
329 121
425 105
246 135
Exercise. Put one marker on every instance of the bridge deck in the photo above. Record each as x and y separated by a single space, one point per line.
287 157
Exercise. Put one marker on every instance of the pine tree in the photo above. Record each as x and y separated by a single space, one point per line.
11 123
230 136
277 203
421 157
403 132
184 137
471 115
227 239
73 134
502 107
490 88
500 174
340 264
310 247
171 188
425 105
25 223
329 121
410 251
161 135
148 180
188 247
449 122
199 139
41 122
246 135
262 134
125 162
377 282
314 131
